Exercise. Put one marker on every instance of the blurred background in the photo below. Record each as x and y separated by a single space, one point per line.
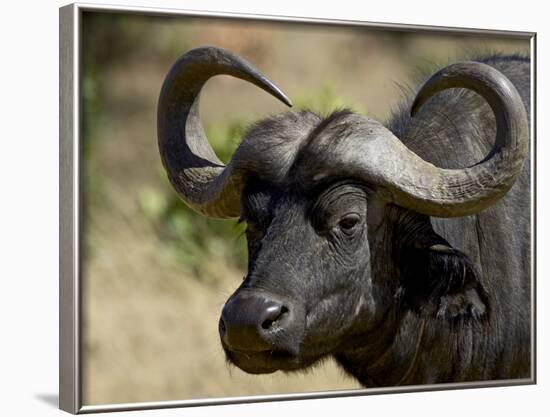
155 275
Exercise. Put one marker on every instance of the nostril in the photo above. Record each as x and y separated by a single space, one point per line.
267 324
274 314
255 321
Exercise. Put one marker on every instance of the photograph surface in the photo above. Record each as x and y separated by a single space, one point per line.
346 207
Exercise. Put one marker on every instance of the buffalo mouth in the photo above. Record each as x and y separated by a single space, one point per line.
262 332
267 361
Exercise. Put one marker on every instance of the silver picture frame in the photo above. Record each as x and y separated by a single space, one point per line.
70 209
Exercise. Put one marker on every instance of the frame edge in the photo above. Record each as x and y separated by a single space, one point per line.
69 393
406 27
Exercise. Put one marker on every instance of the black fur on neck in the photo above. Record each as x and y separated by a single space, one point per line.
436 280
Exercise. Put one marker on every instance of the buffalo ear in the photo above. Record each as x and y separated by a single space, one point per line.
442 282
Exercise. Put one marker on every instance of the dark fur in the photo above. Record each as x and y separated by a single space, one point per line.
401 298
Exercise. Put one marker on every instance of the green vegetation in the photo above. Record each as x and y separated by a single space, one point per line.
192 240
324 101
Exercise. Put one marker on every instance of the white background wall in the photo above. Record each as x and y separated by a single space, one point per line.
29 189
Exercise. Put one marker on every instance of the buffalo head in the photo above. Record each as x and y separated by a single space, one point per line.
338 213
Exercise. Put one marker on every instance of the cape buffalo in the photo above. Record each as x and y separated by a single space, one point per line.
402 251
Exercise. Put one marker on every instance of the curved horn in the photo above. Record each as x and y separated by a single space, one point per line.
370 152
193 168
461 192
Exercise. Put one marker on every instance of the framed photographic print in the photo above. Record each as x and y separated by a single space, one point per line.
257 208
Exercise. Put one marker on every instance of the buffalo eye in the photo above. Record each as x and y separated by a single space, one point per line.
348 224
